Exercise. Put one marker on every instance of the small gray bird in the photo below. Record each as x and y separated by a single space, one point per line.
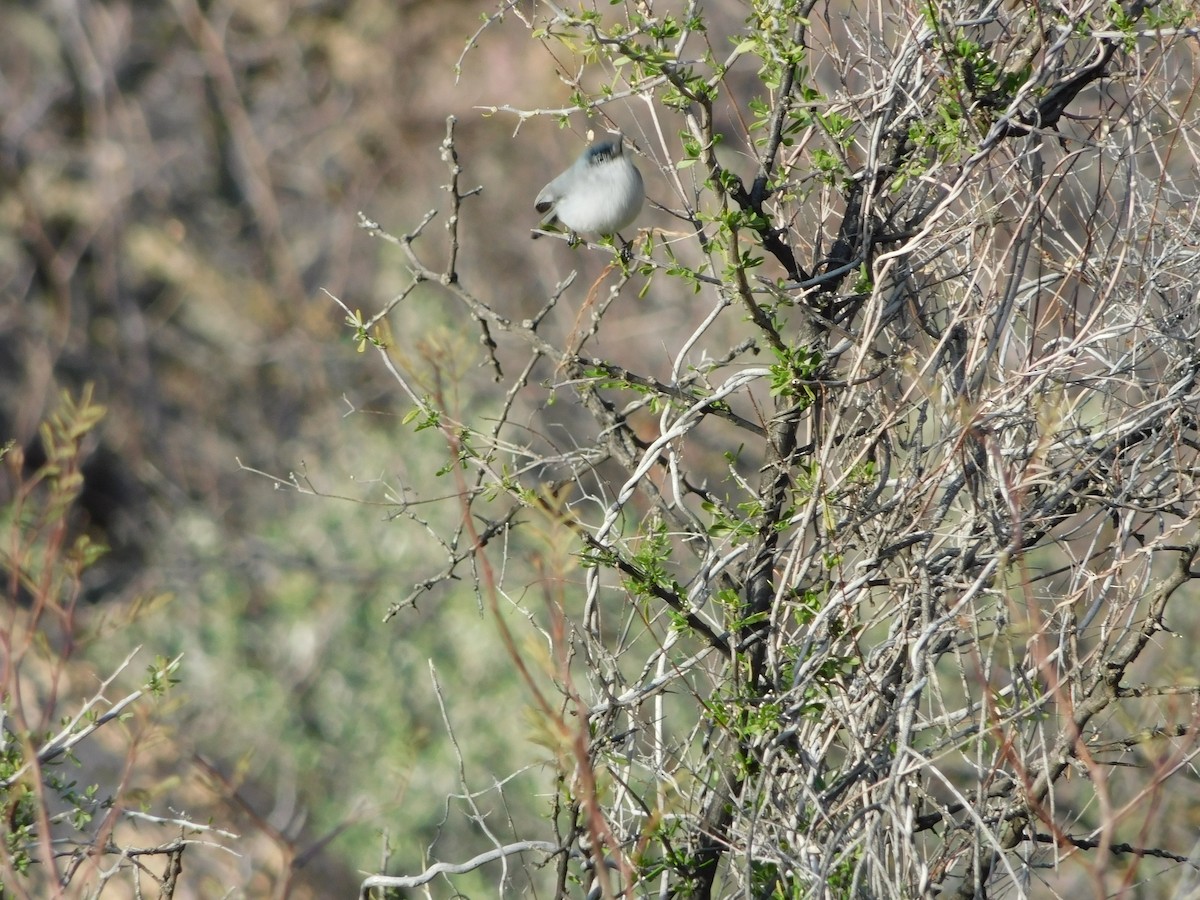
600 194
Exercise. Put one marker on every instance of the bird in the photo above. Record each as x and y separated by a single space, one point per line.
601 193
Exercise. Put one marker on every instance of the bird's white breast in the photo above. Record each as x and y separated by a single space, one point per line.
606 198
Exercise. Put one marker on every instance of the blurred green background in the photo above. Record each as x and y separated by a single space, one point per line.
179 186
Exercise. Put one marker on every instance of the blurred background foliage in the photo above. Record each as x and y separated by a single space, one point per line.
179 185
